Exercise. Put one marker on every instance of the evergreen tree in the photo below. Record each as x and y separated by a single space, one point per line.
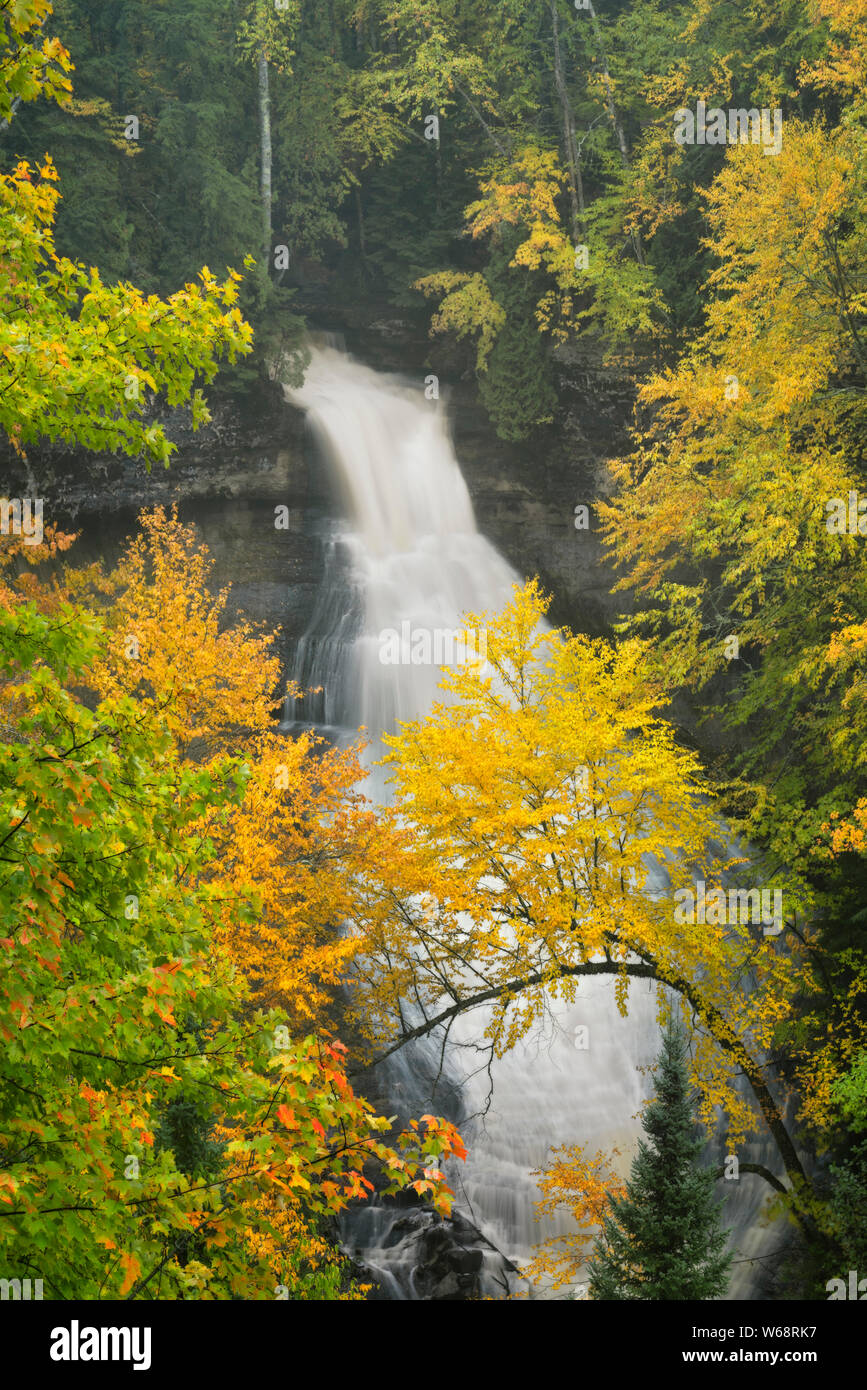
663 1240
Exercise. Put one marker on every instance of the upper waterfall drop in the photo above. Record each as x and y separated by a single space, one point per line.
392 450
410 552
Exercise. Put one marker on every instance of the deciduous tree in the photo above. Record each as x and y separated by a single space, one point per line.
534 806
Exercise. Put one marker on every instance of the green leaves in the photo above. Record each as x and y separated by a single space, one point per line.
88 992
30 68
77 356
266 28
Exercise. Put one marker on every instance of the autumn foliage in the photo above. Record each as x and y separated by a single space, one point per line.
154 970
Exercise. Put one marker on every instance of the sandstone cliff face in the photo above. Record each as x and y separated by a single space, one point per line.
254 457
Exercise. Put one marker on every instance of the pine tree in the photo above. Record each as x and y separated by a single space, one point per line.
663 1239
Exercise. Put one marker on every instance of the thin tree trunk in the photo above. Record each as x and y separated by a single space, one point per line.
609 90
505 150
265 143
360 210
576 191
616 124
5 124
439 171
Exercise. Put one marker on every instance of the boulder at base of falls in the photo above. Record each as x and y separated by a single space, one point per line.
448 1259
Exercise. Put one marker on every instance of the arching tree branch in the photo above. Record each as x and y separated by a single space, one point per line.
762 1171
647 969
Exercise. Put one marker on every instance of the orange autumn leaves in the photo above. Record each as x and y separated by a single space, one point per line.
580 1186
170 643
289 851
292 847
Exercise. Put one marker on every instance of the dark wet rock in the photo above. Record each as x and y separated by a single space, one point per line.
423 1256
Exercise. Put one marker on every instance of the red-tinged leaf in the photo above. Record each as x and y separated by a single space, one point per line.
132 1270
287 1117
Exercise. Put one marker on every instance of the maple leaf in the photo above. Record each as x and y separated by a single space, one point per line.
132 1269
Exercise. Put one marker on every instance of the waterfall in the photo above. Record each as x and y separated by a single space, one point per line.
409 552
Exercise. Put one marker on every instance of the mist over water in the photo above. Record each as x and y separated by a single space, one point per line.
409 551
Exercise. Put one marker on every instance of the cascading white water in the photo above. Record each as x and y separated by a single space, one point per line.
410 552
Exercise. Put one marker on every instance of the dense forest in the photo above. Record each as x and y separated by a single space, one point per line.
195 908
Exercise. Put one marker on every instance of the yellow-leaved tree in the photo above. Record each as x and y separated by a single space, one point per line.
172 644
727 516
579 284
553 827
298 848
580 1185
